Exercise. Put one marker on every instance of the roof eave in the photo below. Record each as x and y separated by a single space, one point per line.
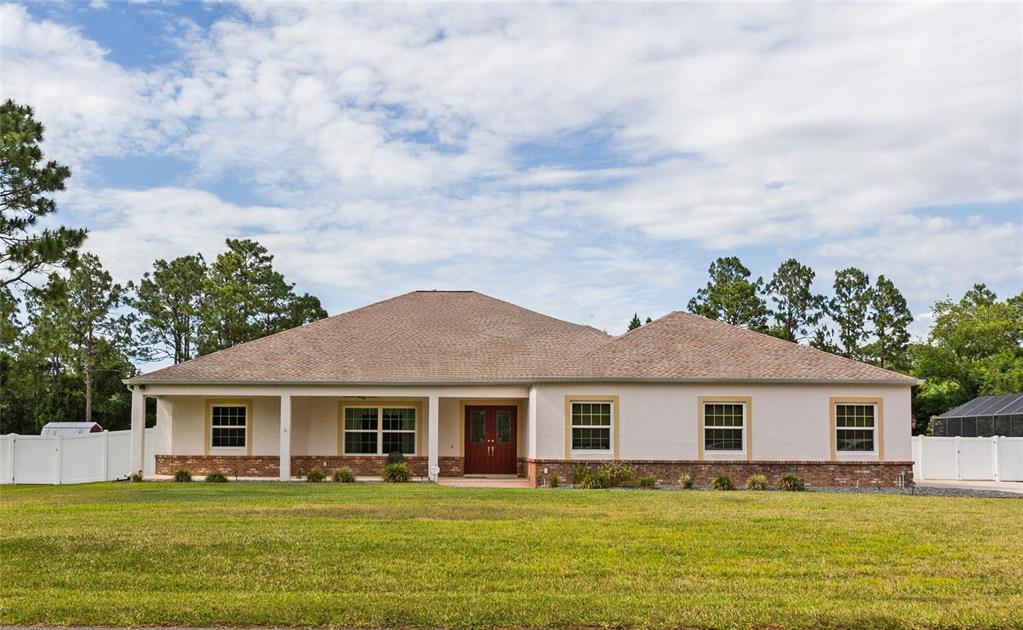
528 381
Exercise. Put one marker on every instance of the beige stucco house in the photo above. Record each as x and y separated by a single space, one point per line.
465 384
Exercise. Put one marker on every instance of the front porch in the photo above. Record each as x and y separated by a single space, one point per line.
261 432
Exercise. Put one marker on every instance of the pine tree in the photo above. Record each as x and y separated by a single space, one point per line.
730 296
797 309
634 323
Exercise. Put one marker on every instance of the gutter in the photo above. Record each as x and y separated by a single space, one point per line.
536 381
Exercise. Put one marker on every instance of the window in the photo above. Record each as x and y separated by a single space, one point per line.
723 426
227 426
854 427
591 426
379 430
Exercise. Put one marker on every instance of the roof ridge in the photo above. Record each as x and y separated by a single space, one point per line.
544 315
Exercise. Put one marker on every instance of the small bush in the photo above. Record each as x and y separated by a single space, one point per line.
722 482
790 482
216 477
396 473
183 475
395 457
648 482
315 475
596 480
619 474
685 481
756 482
553 481
344 475
136 476
579 474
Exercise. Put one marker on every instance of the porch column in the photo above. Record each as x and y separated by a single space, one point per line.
285 448
138 428
433 438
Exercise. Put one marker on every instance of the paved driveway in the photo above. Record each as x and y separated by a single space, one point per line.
1016 487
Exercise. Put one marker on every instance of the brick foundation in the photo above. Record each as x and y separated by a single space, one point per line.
269 465
703 472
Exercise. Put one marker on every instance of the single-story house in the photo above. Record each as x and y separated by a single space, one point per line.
465 384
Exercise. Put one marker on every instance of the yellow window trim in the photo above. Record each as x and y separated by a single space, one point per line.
747 428
493 402
234 402
615 413
376 403
878 403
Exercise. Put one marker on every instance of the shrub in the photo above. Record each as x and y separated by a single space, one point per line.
579 474
396 473
596 480
136 476
315 475
790 482
216 477
756 481
395 457
553 481
685 481
344 475
648 482
722 482
619 474
183 475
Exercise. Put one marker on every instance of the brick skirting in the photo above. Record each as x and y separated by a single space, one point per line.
269 465
703 472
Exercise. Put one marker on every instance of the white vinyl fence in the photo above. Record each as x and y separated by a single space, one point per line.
982 458
83 458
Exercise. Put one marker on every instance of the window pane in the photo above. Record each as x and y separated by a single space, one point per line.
360 442
595 439
722 439
854 416
855 440
504 426
399 419
401 442
361 418
478 427
228 416
591 414
228 437
722 415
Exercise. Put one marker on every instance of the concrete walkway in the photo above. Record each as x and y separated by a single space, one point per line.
483 482
1015 487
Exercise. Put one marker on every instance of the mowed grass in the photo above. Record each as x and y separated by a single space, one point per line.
422 555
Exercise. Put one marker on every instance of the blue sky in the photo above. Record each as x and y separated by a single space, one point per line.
587 161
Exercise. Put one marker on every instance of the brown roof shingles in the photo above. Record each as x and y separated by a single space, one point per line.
468 337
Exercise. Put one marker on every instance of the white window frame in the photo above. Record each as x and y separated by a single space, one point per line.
610 427
245 427
380 429
873 429
711 453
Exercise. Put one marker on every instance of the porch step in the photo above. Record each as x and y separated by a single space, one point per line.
483 482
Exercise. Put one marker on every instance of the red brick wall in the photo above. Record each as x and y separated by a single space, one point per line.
269 465
703 472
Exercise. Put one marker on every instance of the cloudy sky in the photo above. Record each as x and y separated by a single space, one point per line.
587 161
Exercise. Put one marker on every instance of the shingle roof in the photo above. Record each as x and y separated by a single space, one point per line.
1002 405
468 337
682 346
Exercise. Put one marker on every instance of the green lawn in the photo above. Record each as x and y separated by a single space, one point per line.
421 555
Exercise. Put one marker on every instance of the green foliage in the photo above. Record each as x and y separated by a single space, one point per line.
167 301
216 477
344 475
891 318
396 473
648 482
730 296
579 473
797 309
685 481
245 298
619 474
849 309
183 475
25 183
596 480
315 475
756 481
552 480
722 482
790 482
634 323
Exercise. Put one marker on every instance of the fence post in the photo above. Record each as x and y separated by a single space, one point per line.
994 456
60 459
958 444
104 455
921 444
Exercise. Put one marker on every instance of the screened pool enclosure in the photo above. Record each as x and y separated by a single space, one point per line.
986 416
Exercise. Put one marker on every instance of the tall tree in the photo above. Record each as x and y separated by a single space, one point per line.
635 323
167 301
25 181
797 309
849 310
245 298
730 296
891 317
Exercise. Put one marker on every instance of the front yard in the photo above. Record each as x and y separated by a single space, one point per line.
422 555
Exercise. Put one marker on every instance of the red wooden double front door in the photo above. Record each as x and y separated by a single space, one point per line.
490 439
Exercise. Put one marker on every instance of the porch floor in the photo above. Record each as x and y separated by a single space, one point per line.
483 482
